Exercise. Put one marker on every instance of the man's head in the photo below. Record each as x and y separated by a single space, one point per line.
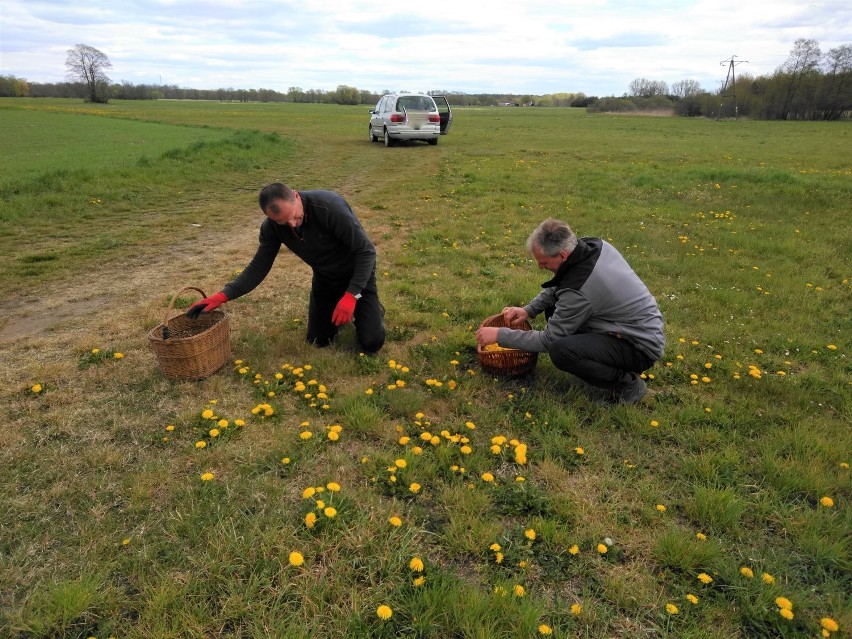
281 204
551 244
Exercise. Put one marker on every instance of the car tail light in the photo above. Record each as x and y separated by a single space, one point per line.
397 117
434 117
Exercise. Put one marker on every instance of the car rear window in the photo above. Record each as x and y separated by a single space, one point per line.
415 103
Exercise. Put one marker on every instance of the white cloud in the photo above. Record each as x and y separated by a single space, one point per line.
530 46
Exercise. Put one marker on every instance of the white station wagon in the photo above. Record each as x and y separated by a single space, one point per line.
410 116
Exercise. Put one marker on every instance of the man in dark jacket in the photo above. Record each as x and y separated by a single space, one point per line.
603 324
319 227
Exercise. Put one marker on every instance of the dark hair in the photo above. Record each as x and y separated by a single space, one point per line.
552 237
272 192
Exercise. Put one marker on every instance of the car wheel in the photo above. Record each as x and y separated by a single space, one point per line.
388 139
373 136
433 141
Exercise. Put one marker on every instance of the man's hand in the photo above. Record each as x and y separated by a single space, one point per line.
515 315
486 335
344 309
206 305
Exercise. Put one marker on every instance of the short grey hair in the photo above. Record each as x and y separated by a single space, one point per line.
551 238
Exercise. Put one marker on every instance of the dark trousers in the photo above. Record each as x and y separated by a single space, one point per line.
369 313
601 360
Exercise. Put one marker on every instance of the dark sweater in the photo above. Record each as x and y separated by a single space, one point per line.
330 240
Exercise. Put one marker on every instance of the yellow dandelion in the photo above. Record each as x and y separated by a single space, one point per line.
692 599
305 435
416 564
671 609
700 536
118 355
767 578
829 624
661 508
333 486
419 581
579 450
745 571
395 521
310 519
603 549
207 476
201 444
705 578
544 629
530 534
488 477
214 432
519 590
574 550
330 511
333 435
414 488
309 492
654 423
576 609
36 388
384 612
832 347
296 558
207 414
786 613
400 463
828 502
784 603
466 450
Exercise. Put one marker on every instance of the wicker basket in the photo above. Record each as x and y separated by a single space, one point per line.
510 362
191 349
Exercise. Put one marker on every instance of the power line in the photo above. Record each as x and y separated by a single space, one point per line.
732 63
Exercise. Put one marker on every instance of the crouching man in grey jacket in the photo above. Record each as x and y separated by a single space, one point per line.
603 324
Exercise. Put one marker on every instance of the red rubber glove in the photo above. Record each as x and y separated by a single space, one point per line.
206 305
344 309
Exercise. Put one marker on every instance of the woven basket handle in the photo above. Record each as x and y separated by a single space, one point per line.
175 296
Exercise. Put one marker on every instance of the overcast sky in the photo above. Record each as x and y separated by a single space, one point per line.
476 46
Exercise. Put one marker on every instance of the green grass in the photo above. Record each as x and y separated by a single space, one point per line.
107 529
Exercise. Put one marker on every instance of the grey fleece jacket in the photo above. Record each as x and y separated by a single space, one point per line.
594 291
330 240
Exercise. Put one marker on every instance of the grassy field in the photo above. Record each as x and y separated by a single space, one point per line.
131 506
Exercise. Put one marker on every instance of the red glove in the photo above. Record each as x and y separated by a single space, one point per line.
344 309
206 305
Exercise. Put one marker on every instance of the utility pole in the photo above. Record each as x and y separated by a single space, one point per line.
731 81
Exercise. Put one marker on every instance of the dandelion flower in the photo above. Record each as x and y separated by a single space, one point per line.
400 463
419 581
784 603
654 423
574 550
692 599
530 534
309 492
207 476
671 609
310 519
705 578
333 486
36 388
519 590
767 578
414 487
384 612
207 414
118 355
576 609
661 508
495 547
330 511
488 477
700 536
745 571
305 435
831 347
828 502
498 557
395 521
579 450
296 558
214 432
466 450
829 624
201 444
544 629
416 564
603 549
786 613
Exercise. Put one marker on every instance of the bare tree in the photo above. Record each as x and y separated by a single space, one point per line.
686 88
836 95
803 61
644 88
86 64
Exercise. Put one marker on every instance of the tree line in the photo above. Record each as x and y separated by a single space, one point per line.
810 85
